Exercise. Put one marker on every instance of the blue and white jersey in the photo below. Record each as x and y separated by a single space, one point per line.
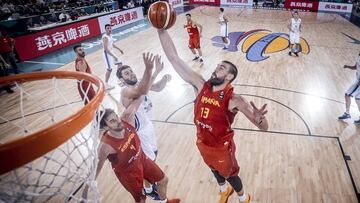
143 114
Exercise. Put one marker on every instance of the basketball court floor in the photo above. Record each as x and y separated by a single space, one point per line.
306 156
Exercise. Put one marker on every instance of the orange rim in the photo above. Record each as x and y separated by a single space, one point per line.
18 152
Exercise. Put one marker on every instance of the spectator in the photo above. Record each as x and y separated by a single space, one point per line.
43 8
5 9
7 47
14 16
63 17
11 7
83 12
30 23
43 21
28 11
36 10
74 15
131 4
99 9
53 18
20 9
106 7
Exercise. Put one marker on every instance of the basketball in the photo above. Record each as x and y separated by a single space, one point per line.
161 15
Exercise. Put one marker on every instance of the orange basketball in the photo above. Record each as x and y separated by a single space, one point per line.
161 15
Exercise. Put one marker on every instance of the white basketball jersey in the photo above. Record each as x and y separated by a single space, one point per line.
295 25
358 68
110 41
221 19
143 114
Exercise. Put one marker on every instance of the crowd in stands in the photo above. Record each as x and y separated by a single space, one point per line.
42 12
127 4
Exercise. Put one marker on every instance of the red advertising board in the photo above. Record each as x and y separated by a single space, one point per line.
40 43
205 2
302 5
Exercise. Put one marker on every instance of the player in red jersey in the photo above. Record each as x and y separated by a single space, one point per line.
215 108
84 87
120 144
194 29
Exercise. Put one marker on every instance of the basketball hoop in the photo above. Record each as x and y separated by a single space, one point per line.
52 163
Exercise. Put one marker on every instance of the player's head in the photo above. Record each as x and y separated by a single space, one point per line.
296 14
221 10
225 72
108 28
126 75
79 50
111 121
188 16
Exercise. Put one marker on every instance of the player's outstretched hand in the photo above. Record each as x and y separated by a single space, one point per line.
149 59
159 65
259 114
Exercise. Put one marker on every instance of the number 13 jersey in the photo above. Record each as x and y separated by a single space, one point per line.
211 115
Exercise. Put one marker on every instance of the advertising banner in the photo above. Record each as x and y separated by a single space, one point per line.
40 43
121 18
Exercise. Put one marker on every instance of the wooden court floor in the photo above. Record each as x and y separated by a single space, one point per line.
302 156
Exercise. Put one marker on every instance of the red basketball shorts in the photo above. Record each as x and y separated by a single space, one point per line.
132 177
221 158
194 42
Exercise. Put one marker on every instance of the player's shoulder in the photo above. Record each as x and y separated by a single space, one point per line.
79 62
123 88
105 148
104 36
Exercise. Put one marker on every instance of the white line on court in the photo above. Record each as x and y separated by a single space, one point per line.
40 62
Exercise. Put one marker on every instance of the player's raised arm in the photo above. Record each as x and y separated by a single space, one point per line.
129 114
145 82
160 85
254 114
143 88
103 151
147 78
190 76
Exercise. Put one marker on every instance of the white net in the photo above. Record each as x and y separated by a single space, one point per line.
62 174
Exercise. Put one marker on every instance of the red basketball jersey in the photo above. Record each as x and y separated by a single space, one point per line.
88 69
212 118
192 29
127 149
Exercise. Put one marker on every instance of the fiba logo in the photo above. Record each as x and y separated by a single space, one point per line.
259 44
